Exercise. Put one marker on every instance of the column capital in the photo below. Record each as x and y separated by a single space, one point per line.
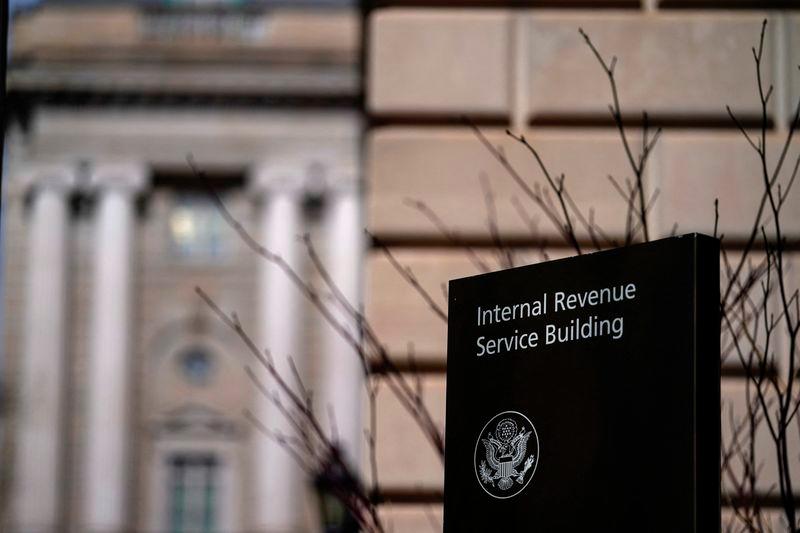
304 175
345 179
280 176
127 176
59 176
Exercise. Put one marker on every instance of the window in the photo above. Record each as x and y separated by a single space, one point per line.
197 365
197 230
193 493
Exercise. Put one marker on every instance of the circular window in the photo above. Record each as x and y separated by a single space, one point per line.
197 366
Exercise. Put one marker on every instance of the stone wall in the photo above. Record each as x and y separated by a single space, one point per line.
528 69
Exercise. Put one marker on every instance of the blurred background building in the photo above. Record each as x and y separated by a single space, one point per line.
126 396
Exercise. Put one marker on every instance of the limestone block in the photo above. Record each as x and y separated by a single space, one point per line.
405 458
442 168
771 520
439 61
684 65
695 168
413 518
734 402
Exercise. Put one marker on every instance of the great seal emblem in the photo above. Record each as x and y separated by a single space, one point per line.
506 454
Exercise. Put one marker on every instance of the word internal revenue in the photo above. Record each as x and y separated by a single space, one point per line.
576 329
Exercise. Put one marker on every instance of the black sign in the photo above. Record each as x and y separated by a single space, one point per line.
583 394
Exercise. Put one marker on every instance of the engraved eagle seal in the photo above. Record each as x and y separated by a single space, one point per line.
506 454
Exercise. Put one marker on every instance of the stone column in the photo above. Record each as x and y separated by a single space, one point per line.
279 484
342 370
107 459
38 475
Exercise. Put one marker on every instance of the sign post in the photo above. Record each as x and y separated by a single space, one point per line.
583 394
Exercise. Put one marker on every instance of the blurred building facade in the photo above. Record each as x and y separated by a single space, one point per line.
128 394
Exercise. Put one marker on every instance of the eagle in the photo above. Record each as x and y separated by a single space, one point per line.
503 458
